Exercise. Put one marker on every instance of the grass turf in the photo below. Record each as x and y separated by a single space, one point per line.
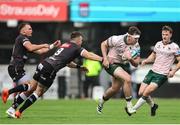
84 112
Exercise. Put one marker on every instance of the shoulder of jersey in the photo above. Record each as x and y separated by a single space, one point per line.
66 45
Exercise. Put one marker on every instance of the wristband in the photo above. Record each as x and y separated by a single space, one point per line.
51 46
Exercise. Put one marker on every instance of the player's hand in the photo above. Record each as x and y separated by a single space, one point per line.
171 73
144 62
84 69
105 63
57 43
127 55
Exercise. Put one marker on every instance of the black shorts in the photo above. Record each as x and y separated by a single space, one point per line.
15 73
45 74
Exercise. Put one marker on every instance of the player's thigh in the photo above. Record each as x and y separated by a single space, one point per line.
150 88
116 83
142 88
122 74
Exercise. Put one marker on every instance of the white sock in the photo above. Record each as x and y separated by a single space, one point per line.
23 96
128 101
150 101
129 104
35 95
139 103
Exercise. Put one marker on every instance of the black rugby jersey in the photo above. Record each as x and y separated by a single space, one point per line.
66 53
19 54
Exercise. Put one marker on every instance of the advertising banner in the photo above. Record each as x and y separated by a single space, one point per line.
125 11
34 11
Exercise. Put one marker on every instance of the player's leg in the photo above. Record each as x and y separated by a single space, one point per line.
31 99
116 84
20 87
156 81
147 80
45 76
124 76
149 89
149 100
30 86
19 77
21 97
142 88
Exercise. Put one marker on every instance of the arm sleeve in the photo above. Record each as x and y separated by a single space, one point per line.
112 41
155 48
177 51
80 50
24 40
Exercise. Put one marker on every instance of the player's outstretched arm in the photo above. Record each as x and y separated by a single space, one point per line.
51 46
150 59
90 55
104 50
33 47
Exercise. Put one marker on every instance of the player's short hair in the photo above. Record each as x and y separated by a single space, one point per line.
167 28
21 25
75 34
133 30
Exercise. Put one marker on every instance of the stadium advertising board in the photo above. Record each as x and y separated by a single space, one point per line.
34 11
125 10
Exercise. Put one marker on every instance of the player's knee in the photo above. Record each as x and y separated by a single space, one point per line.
128 80
33 87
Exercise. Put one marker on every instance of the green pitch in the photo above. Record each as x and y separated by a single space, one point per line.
84 112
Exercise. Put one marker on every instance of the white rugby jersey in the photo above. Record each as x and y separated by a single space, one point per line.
165 57
117 46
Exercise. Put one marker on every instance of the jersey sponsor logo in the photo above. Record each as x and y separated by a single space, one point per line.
40 66
65 45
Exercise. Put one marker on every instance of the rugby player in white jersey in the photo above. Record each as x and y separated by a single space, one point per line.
118 52
164 54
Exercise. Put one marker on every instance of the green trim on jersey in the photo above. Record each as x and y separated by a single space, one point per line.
113 67
159 79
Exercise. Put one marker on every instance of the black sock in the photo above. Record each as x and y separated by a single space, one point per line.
28 102
105 99
17 101
144 97
19 88
128 98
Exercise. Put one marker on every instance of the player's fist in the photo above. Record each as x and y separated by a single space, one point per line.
126 55
105 63
171 73
144 62
57 43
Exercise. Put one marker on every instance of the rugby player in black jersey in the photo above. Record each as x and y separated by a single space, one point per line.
46 71
19 56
